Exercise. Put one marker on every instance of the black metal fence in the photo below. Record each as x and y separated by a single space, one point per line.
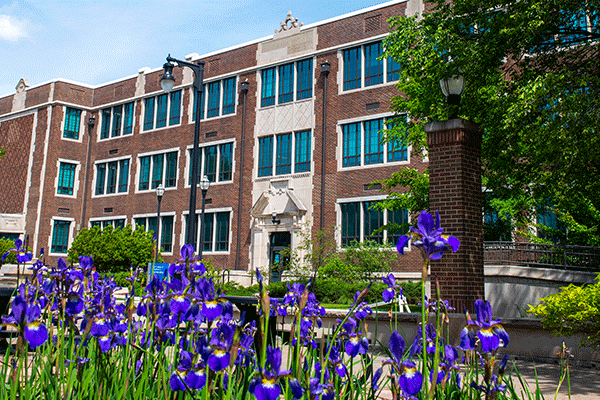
579 258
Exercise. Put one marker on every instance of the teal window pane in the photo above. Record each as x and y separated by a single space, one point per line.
94 224
229 96
267 97
60 237
393 70
284 154
265 156
396 150
144 183
210 163
149 113
123 175
66 178
128 119
157 170
350 223
222 232
208 231
373 66
166 236
111 177
100 178
171 170
161 110
286 83
201 103
305 79
575 28
373 220
214 95
116 120
373 145
105 127
140 223
199 155
302 158
352 68
119 223
351 145
153 227
175 112
399 221
225 163
72 121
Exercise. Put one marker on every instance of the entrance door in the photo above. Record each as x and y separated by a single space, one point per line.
280 256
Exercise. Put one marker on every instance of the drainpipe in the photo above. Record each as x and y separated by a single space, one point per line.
91 123
325 68
244 88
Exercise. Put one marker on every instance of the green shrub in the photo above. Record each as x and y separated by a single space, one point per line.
113 250
235 289
576 309
5 245
121 280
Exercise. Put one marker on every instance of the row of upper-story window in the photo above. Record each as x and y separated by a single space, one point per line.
280 154
293 81
216 226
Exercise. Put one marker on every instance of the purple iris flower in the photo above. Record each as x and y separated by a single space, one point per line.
321 385
410 378
292 297
390 292
221 341
356 343
187 374
24 316
428 236
362 310
267 385
23 255
335 358
489 331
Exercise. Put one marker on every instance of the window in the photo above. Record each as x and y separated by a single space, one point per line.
165 236
286 83
215 161
112 177
219 99
157 169
72 123
285 145
216 228
60 236
117 121
103 223
66 178
362 145
361 221
162 110
363 67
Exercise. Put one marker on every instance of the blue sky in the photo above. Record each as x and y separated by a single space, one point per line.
94 42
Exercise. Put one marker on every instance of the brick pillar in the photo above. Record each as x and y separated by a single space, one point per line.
455 192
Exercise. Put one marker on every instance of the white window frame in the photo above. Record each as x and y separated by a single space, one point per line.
121 134
160 227
213 211
139 170
106 161
277 79
75 178
71 235
221 96
188 161
155 111
82 118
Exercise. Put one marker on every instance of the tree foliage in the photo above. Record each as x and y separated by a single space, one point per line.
532 84
113 249
576 309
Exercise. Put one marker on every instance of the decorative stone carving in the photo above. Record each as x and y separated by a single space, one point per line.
22 85
293 23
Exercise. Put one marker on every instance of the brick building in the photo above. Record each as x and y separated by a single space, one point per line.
294 153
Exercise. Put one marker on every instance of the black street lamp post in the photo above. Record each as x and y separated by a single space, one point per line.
167 82
160 191
204 185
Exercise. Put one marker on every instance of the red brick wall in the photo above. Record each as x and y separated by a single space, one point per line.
455 192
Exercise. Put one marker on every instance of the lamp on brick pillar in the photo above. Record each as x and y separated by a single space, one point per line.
455 191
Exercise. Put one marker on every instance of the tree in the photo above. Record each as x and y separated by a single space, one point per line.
113 249
533 85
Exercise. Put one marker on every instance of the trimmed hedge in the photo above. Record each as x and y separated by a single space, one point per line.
331 291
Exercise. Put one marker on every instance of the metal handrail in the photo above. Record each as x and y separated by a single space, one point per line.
542 255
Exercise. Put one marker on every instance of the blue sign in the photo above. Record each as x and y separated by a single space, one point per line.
160 270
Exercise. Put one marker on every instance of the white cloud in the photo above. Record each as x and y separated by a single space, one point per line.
12 29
